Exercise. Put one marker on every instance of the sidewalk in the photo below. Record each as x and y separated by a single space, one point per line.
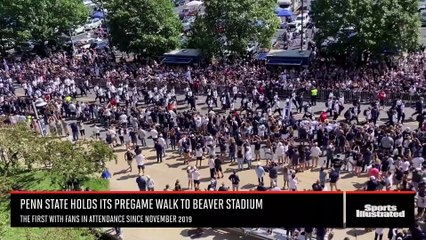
173 168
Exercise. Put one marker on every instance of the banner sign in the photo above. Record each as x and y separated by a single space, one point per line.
177 209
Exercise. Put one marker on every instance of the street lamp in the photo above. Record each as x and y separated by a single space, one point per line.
104 13
301 29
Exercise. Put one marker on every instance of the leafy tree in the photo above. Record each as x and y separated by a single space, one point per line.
22 150
366 26
79 161
148 27
40 20
229 26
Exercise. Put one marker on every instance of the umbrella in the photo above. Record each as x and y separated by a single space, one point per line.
98 14
194 4
284 13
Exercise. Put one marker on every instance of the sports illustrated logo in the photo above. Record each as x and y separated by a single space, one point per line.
380 211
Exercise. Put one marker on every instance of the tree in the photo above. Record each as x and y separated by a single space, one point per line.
230 26
371 27
40 20
148 27
22 150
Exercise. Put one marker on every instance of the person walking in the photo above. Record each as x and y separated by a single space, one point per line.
235 180
159 150
260 173
140 162
218 168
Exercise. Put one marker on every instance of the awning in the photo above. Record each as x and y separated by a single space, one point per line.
282 62
176 60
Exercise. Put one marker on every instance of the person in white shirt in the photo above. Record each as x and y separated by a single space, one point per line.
405 166
149 183
196 177
248 156
140 161
417 162
163 143
389 181
315 155
279 153
421 206
292 183
154 134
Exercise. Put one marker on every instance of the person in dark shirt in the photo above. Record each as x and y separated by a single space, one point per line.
235 180
159 151
141 181
334 177
223 188
218 167
75 131
317 186
320 233
261 187
337 164
138 150
372 184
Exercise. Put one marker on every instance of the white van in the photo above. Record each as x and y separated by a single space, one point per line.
285 4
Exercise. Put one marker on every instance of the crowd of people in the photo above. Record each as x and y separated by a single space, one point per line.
252 128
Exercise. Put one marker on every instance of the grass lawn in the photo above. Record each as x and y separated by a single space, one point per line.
40 180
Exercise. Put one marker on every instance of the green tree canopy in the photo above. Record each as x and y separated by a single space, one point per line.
367 26
23 150
40 20
229 26
148 27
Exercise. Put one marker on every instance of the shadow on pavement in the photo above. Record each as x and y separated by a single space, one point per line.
127 177
356 232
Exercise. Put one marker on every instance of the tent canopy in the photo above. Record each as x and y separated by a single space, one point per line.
284 13
182 56
289 57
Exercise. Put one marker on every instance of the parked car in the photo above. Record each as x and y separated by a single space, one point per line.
285 4
302 19
79 30
178 2
187 23
422 5
423 17
92 24
252 47
25 47
7 44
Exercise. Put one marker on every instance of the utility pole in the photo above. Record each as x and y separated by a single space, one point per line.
301 29
106 24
